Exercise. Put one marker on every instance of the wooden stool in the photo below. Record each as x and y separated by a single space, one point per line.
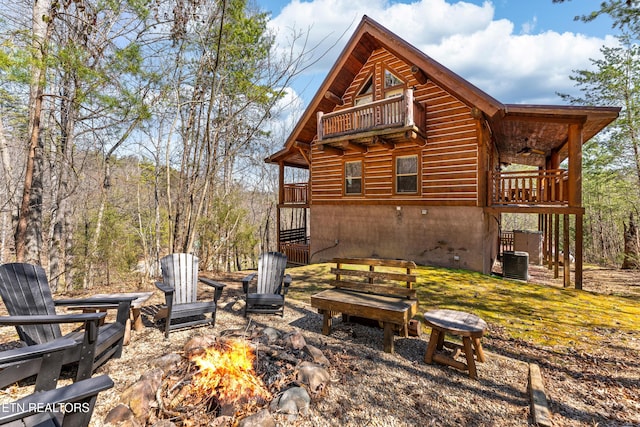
466 325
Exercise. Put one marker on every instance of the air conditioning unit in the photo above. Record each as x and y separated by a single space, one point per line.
515 265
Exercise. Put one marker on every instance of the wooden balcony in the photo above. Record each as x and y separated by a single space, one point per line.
295 194
533 188
393 119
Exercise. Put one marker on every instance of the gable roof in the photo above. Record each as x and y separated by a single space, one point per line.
547 123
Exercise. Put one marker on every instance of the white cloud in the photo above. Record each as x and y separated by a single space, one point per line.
464 37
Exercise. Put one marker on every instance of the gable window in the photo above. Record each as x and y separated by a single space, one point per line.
391 80
365 95
393 85
353 177
407 174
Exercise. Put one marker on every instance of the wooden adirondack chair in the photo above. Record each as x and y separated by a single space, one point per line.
267 293
35 409
180 287
26 294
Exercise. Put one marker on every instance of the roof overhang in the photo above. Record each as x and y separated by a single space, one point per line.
529 134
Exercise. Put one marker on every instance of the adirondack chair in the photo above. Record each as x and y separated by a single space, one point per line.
180 287
38 408
267 293
26 294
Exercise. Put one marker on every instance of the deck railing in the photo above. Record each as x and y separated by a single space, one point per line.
398 111
297 253
297 193
545 187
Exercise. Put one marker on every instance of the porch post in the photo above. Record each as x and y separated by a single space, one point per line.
280 200
408 102
575 194
556 246
566 260
579 243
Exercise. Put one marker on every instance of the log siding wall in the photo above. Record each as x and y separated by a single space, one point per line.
448 162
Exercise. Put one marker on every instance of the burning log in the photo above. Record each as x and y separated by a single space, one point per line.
220 381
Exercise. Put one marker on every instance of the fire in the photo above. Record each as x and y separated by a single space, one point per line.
226 370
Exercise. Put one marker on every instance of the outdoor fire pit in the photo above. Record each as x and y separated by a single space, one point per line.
233 378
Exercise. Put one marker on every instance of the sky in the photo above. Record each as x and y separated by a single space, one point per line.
517 51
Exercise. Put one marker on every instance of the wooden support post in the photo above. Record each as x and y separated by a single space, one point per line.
549 240
575 197
579 252
319 124
543 226
408 102
556 246
280 202
567 262
575 165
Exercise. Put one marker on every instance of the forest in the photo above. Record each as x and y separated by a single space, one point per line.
134 128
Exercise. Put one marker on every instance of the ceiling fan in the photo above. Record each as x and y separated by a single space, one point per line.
527 151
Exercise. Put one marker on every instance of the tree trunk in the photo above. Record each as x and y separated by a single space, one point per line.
42 26
62 210
33 235
631 260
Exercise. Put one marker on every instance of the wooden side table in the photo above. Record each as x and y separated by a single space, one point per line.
136 306
466 325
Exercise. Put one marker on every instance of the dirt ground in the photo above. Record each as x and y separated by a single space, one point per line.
603 280
582 389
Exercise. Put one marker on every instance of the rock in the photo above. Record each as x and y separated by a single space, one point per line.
141 395
260 419
292 402
314 376
167 362
317 355
164 423
271 334
294 340
121 416
196 345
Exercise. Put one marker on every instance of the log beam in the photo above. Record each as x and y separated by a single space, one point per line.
351 146
330 150
378 140
419 75
333 98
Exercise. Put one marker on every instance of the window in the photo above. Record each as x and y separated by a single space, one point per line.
393 86
391 80
407 174
365 95
353 177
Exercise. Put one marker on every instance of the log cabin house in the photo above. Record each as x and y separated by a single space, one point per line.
405 160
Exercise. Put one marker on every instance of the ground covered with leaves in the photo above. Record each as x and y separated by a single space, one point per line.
585 342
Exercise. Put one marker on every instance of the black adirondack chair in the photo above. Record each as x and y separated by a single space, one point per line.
41 408
265 290
26 294
180 286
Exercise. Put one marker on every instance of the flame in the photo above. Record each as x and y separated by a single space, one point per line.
226 370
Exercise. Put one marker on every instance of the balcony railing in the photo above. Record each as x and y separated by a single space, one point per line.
399 111
547 187
296 194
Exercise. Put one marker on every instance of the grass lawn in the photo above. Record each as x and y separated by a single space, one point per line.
544 316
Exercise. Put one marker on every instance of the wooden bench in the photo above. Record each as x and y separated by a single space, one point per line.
376 289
